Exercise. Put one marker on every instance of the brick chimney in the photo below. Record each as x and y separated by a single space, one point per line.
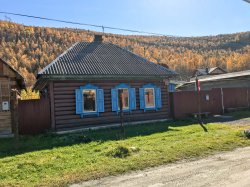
98 38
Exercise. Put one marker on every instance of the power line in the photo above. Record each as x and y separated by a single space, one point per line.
84 24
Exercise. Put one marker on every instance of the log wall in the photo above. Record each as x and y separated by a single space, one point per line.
7 82
63 104
5 122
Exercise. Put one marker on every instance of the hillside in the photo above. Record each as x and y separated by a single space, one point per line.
29 49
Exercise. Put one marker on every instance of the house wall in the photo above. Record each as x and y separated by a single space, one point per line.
62 98
5 116
7 82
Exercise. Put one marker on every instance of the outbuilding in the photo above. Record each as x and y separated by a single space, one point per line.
239 79
9 79
83 85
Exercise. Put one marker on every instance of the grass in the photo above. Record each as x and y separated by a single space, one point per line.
56 160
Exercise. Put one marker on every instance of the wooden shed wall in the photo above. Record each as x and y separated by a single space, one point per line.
5 116
63 104
7 82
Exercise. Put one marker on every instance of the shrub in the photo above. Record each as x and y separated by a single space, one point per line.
119 152
247 133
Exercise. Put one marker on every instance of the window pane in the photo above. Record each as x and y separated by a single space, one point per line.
125 99
149 97
89 97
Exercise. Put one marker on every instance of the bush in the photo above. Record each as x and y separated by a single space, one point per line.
247 133
119 152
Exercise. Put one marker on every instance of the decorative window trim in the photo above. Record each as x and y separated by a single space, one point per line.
157 97
131 98
80 100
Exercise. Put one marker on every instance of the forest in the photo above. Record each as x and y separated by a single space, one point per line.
29 48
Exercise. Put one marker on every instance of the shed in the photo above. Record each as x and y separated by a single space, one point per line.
207 72
239 79
83 84
9 79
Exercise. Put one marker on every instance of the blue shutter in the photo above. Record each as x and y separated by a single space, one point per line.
100 100
79 101
142 100
114 99
132 99
158 97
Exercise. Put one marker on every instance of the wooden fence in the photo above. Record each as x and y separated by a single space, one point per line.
215 101
34 116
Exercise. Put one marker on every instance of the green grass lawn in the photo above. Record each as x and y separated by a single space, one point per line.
57 160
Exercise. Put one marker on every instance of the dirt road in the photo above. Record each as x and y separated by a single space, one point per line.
224 169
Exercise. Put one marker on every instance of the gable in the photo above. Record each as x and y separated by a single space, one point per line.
217 71
6 70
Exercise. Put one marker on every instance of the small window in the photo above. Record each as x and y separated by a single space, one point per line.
128 98
149 98
89 100
125 98
89 104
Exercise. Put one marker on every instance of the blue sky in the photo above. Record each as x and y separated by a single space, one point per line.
170 17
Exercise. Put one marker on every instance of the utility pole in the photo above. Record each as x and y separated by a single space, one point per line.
120 92
14 113
198 89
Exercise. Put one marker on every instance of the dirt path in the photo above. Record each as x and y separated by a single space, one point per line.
224 169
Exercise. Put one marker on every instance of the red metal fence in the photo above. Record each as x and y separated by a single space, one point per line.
34 116
215 101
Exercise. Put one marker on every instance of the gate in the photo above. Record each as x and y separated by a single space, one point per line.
34 116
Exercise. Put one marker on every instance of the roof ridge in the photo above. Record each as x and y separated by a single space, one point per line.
144 59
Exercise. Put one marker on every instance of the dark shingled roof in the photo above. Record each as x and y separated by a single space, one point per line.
97 58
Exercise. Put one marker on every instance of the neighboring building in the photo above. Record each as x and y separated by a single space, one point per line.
9 79
207 72
84 81
239 79
173 84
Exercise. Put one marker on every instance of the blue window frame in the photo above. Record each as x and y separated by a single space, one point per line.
129 98
150 97
171 87
89 100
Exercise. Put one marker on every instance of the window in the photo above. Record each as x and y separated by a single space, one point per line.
149 97
89 104
128 98
89 100
171 87
124 97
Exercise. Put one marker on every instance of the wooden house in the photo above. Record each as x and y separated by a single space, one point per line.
9 79
83 85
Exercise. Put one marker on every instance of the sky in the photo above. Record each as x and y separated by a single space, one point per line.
168 17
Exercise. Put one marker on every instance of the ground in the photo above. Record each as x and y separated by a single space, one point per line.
60 160
225 169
